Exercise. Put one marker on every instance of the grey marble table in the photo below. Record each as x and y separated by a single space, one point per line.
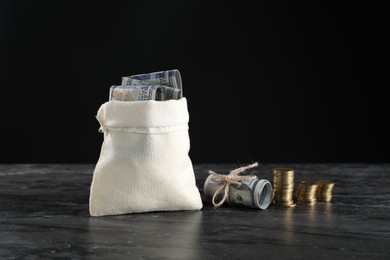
44 215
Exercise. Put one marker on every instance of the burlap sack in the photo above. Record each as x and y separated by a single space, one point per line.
144 163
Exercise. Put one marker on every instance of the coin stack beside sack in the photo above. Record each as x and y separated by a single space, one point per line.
283 187
308 192
324 190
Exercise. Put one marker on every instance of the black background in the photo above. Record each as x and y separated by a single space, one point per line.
268 82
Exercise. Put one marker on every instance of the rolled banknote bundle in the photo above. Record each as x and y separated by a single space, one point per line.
161 85
170 78
256 193
136 93
169 92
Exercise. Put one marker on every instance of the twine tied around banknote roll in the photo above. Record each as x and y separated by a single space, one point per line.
233 177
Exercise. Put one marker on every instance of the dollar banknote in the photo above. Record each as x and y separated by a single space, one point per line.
136 93
169 78
160 85
169 92
256 193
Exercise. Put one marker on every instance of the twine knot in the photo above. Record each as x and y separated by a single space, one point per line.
233 178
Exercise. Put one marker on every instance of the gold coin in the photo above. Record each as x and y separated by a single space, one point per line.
324 191
283 186
307 192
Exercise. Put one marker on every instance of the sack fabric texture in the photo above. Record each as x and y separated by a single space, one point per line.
144 163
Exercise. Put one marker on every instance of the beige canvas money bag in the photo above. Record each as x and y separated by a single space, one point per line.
144 163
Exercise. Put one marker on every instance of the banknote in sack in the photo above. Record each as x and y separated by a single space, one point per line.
160 86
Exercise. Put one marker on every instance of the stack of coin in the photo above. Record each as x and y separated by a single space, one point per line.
283 187
307 193
324 190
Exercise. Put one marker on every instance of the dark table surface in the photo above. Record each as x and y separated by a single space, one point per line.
44 214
